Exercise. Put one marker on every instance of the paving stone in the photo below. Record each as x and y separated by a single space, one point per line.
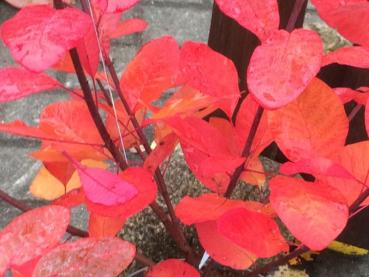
183 24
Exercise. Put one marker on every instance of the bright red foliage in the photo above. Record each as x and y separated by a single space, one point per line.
31 235
284 54
38 36
172 267
287 105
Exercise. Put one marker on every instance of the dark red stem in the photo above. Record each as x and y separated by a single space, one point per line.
24 208
246 151
294 15
158 176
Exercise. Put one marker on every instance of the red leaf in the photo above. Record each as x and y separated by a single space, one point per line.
186 102
354 158
102 226
315 166
212 171
38 36
348 17
142 180
255 232
206 151
164 148
208 207
367 117
152 71
314 212
221 249
87 257
117 6
32 234
283 66
71 199
128 27
104 187
19 128
200 134
17 83
211 73
88 52
259 16
353 56
245 117
171 268
300 130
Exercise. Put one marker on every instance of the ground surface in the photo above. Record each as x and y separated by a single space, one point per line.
185 20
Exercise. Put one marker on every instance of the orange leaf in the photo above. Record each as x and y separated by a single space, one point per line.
160 153
300 128
102 226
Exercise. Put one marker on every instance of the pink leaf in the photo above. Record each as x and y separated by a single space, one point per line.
283 66
116 6
87 257
259 16
353 56
17 83
104 187
143 182
38 36
32 234
348 17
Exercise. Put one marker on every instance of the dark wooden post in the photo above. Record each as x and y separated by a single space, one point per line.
229 38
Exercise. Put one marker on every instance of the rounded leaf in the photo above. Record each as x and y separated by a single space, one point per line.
221 249
153 70
104 187
142 180
282 67
253 231
38 36
171 268
209 206
259 16
315 213
211 73
32 234
300 128
17 83
87 257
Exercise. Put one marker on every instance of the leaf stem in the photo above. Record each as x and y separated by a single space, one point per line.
70 229
24 208
294 15
178 232
246 151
